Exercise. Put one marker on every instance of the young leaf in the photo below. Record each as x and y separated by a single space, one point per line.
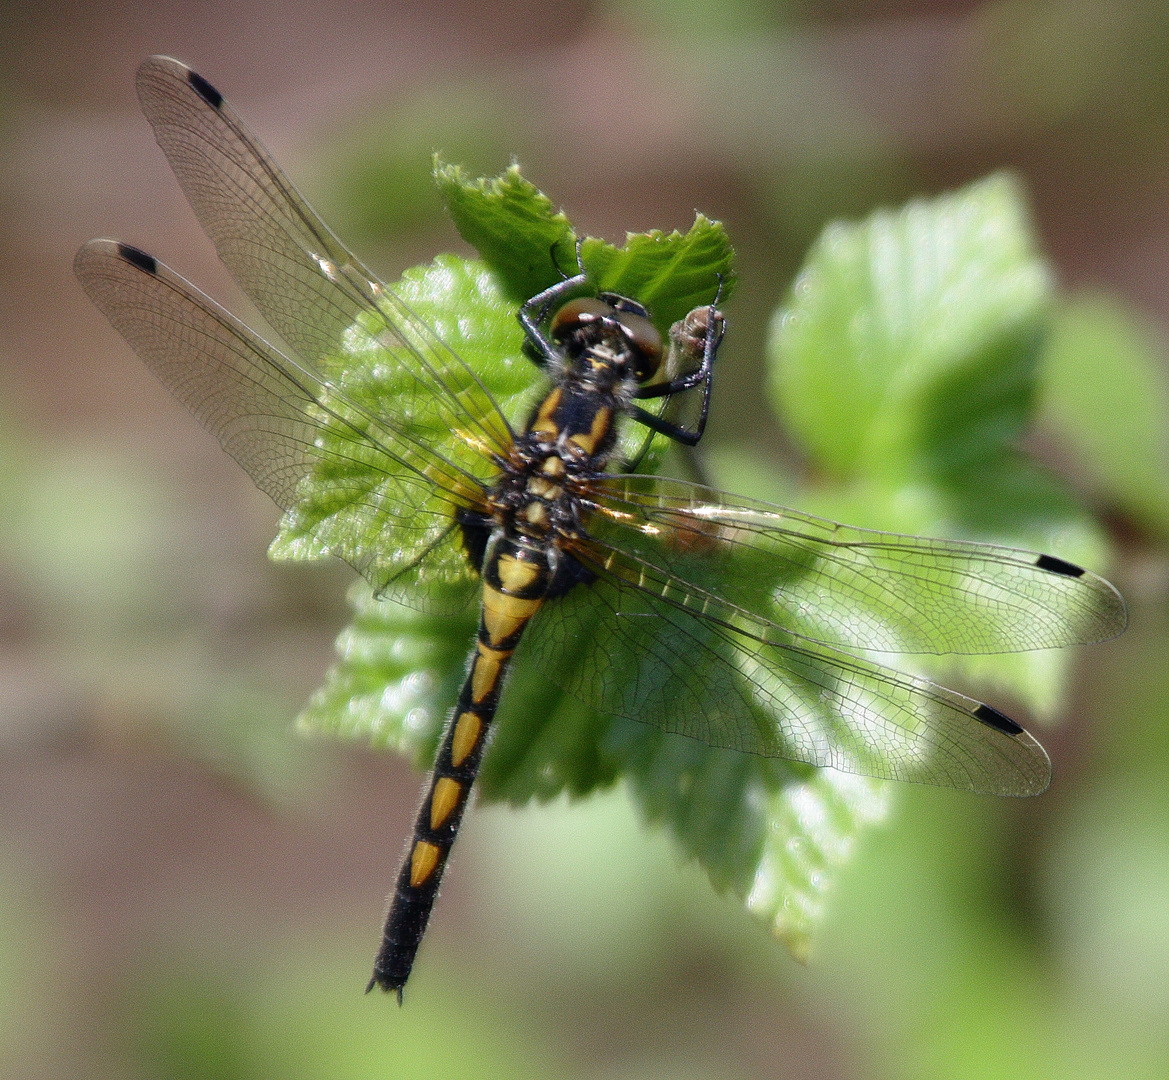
1104 393
909 346
399 673
345 503
669 273
529 247
512 225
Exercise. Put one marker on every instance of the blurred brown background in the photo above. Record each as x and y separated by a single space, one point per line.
187 890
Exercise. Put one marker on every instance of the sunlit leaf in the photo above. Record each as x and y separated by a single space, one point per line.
1105 394
910 341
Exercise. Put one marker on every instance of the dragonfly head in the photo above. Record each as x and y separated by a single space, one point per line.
610 325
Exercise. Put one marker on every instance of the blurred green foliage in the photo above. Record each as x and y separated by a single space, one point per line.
908 352
294 1019
906 367
1111 414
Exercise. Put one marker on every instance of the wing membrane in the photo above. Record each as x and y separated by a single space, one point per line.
315 294
391 495
843 585
654 659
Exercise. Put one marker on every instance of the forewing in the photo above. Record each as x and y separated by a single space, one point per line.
662 660
315 294
392 497
842 585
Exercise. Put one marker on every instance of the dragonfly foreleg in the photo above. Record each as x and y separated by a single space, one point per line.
533 312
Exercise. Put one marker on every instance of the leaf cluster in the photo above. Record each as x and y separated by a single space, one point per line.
905 364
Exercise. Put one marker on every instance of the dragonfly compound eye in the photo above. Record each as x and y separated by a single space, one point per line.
577 314
644 341
614 315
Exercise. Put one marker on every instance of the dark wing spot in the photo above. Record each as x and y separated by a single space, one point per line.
204 89
138 258
995 719
1058 566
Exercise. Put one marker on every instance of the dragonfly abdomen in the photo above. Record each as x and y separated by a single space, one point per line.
522 565
516 578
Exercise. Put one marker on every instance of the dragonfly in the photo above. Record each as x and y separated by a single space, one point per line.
726 620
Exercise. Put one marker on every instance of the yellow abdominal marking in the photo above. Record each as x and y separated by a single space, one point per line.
554 466
588 441
536 514
516 574
444 799
423 860
503 615
488 668
467 729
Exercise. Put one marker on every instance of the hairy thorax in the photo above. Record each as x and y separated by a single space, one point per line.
569 438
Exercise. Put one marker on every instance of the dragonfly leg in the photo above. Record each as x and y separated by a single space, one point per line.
702 376
671 431
533 312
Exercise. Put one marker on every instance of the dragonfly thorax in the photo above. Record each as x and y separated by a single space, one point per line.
568 438
534 496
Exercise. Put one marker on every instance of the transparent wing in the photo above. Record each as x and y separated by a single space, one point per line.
315 294
842 585
671 660
390 494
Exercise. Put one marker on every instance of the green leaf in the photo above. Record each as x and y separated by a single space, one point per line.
814 828
512 225
909 345
906 363
772 832
398 676
1105 394
669 273
1008 501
